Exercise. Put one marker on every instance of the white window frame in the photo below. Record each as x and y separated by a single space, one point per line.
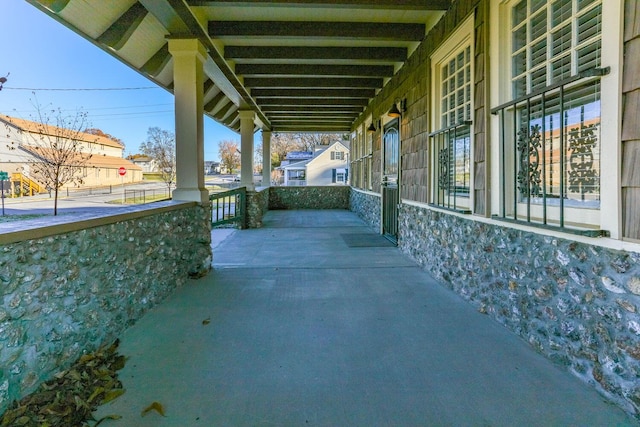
610 104
459 39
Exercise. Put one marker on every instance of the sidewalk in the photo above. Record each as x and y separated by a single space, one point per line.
314 320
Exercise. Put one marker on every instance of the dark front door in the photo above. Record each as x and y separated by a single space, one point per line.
390 175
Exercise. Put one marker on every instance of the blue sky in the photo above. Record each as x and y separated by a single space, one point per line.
40 53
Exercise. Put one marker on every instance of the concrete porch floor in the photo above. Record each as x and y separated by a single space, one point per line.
304 330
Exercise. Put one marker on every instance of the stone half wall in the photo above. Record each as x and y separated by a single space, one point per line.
573 302
257 206
65 294
309 197
367 205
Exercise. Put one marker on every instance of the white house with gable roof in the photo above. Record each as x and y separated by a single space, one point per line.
328 166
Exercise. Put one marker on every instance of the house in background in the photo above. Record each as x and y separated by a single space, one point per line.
211 167
145 162
18 150
328 165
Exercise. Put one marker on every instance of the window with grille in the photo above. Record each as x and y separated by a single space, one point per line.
337 155
451 139
551 130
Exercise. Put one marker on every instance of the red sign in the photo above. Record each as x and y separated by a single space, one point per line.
122 171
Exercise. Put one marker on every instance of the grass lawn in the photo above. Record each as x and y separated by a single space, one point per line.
138 200
20 217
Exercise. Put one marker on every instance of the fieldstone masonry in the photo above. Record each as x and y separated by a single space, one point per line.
309 197
257 206
576 303
66 294
367 206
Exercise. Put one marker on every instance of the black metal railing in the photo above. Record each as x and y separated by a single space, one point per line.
89 191
550 154
146 195
229 207
451 149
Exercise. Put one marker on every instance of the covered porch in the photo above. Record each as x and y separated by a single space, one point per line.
316 320
303 324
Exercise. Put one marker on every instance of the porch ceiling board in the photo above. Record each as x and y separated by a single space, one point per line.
362 4
298 62
324 116
313 93
313 102
313 82
120 31
297 54
315 29
318 70
312 128
316 110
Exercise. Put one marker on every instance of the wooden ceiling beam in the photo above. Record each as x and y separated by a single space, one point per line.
157 62
55 6
301 109
323 117
342 30
314 70
359 4
318 102
312 83
304 120
213 105
301 53
117 35
326 128
314 93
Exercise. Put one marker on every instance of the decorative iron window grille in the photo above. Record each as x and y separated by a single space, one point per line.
550 154
452 181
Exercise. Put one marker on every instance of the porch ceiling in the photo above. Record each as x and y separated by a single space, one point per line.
301 65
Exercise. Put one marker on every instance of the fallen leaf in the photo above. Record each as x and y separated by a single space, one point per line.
206 321
23 421
108 417
155 406
95 394
71 395
118 363
112 394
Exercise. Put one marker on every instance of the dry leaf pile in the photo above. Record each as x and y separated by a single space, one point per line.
72 395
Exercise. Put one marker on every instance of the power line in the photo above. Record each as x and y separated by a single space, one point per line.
89 109
82 89
130 113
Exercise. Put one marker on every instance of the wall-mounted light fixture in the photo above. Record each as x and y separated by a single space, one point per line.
374 126
399 106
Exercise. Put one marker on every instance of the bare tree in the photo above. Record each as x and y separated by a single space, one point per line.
161 147
283 143
229 153
57 148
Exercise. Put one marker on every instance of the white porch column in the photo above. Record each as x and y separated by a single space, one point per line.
246 148
188 78
266 158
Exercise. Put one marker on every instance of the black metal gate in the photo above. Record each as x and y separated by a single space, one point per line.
390 181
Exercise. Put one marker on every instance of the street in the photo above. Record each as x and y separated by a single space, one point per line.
82 201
